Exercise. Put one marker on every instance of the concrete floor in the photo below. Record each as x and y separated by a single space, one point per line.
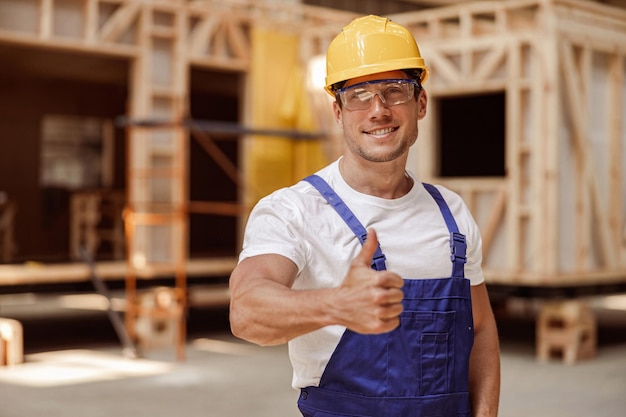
82 373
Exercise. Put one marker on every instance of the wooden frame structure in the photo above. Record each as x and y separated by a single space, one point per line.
162 39
558 216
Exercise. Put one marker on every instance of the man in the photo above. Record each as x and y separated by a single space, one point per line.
374 329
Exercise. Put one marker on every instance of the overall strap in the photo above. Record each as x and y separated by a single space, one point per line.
378 261
458 245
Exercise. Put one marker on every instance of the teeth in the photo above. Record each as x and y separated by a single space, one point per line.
381 131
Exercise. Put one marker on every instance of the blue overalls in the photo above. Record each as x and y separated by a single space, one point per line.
420 369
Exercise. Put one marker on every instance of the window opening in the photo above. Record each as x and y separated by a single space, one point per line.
472 135
72 152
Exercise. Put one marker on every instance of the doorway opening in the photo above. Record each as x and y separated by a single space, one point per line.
214 96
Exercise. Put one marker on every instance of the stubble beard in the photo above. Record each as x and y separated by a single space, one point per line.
373 156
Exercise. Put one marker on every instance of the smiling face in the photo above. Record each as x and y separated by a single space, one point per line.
380 133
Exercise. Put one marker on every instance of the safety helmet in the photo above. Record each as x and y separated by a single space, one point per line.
369 45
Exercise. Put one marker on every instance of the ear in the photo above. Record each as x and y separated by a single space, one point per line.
422 101
337 113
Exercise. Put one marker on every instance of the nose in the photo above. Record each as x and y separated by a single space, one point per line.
378 104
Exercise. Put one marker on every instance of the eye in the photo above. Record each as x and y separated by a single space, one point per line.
360 94
393 89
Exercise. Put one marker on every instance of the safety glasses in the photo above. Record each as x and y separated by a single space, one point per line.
391 93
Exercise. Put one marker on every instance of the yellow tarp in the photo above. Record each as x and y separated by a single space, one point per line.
278 100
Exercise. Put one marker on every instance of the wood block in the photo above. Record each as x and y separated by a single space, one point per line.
567 329
11 341
159 314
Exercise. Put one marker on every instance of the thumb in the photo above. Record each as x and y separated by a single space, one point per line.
369 248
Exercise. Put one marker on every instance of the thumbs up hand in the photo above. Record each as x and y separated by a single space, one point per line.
369 301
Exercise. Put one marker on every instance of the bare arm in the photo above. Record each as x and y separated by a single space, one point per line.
484 377
265 310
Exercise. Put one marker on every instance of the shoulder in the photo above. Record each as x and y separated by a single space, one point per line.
460 211
452 199
445 192
300 199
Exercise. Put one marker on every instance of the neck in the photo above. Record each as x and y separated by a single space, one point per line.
379 179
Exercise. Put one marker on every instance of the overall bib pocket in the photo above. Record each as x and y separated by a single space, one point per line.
426 350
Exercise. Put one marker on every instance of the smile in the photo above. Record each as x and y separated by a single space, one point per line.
380 132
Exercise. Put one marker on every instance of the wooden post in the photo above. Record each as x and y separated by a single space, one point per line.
157 173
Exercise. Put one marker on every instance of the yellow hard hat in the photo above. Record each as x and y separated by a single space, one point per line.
369 45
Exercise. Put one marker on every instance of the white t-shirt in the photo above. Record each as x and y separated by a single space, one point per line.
298 223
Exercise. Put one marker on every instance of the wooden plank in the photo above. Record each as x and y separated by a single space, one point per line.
46 17
582 228
513 134
593 14
527 278
120 21
67 44
596 7
219 46
470 86
609 43
466 55
237 39
41 273
201 34
90 30
443 67
549 149
616 170
494 219
225 63
216 207
491 62
534 137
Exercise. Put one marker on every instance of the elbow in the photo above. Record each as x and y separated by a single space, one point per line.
237 323
244 327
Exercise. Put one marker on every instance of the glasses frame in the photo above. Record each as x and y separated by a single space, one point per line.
340 93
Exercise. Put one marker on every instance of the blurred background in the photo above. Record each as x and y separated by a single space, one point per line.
135 137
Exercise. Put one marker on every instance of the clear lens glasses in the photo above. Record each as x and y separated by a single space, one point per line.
390 92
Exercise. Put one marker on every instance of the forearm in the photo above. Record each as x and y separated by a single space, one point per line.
270 314
484 377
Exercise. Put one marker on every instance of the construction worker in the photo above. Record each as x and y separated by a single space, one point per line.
398 328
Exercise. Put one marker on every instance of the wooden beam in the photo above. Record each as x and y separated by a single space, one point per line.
494 219
237 39
201 34
582 207
514 241
443 67
40 273
218 46
580 141
120 21
46 17
90 29
538 111
549 184
216 207
616 151
491 62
